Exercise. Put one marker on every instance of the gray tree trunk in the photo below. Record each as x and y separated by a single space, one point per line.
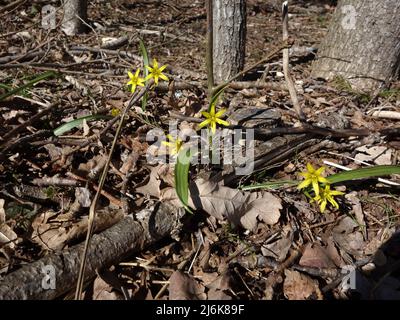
229 38
74 12
362 44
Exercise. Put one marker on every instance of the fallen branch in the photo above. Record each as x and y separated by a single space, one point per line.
106 248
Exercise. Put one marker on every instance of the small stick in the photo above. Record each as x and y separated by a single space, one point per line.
263 60
289 80
92 210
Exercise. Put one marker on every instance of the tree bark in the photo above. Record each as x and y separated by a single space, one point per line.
362 44
75 12
229 38
106 248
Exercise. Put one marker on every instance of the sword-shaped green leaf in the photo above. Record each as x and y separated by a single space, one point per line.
75 123
182 177
370 172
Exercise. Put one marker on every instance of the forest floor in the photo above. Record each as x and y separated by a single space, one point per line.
287 249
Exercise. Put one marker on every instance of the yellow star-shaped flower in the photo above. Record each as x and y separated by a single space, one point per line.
135 80
213 118
312 176
174 145
326 196
155 72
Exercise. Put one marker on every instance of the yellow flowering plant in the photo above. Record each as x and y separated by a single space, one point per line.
212 118
313 177
174 145
135 80
156 72
327 195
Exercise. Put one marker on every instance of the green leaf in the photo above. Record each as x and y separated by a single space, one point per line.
182 177
363 173
75 123
270 185
40 77
145 71
215 97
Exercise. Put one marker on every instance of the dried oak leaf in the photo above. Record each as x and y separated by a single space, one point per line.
220 286
240 208
298 286
316 256
185 287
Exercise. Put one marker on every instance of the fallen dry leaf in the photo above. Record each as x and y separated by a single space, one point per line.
240 208
104 291
219 287
353 198
162 172
348 238
316 256
280 248
298 286
185 287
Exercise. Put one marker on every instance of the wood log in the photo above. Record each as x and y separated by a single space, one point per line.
57 273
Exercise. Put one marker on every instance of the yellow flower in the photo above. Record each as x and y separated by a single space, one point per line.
326 196
135 80
115 112
213 118
312 176
156 72
174 144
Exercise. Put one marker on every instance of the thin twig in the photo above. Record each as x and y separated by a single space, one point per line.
92 210
270 56
288 78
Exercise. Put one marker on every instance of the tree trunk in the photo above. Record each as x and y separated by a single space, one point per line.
362 44
229 37
75 12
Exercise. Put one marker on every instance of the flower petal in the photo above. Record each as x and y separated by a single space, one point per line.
319 171
223 122
162 68
310 168
323 206
204 123
323 180
137 72
305 174
212 110
206 114
315 187
164 77
213 127
220 113
336 193
304 184
155 63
